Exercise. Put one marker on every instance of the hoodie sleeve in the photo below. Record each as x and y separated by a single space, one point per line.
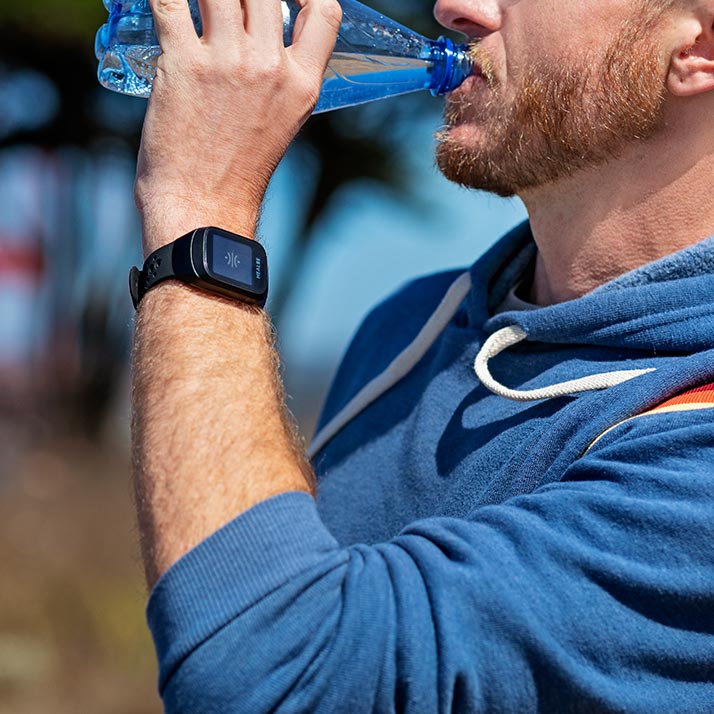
592 594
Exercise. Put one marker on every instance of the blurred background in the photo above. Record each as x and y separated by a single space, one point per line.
355 210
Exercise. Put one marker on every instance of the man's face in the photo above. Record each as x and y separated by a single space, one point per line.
564 85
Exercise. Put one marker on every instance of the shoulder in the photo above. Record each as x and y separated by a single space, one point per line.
689 410
384 333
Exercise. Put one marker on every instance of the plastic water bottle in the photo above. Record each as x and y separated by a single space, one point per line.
374 57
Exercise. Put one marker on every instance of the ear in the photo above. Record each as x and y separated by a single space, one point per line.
691 69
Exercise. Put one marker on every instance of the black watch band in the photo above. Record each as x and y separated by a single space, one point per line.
158 266
209 258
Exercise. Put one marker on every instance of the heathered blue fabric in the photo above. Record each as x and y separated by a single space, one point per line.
465 553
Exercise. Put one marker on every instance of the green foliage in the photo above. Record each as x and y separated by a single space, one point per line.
75 20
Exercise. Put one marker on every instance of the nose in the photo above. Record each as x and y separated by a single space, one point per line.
474 18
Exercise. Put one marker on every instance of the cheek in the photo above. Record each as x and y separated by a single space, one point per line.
562 31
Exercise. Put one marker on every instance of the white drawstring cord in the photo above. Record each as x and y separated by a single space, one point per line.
494 345
512 335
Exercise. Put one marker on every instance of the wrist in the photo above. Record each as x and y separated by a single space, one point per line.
163 223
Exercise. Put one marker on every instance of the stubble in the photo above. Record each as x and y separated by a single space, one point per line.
566 116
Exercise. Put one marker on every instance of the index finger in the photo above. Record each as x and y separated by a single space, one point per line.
173 24
315 33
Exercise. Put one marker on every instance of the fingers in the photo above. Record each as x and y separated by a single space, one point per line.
264 20
173 24
315 33
223 20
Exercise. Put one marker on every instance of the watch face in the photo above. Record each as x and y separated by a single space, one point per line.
230 259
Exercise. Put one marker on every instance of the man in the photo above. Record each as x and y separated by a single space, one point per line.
534 539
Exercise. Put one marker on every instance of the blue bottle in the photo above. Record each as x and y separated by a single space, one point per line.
374 57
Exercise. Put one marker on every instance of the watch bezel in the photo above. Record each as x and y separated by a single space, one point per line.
201 255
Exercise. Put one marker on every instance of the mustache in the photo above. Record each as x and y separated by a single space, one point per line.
483 62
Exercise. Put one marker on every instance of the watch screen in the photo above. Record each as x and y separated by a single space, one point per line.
231 260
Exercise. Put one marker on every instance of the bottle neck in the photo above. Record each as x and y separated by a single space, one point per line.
451 65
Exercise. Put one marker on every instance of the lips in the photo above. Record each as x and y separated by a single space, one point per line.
476 71
474 80
482 62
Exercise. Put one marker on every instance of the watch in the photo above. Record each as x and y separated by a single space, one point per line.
210 258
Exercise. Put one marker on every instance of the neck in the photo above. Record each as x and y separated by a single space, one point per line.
605 222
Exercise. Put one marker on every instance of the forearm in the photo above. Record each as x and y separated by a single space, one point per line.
211 435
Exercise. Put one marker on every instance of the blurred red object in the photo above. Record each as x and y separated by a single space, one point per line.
21 258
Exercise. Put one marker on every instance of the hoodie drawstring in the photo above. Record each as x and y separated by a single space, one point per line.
499 341
513 334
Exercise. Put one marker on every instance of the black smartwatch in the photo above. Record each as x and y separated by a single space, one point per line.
210 258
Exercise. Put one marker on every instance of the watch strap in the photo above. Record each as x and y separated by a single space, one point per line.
159 266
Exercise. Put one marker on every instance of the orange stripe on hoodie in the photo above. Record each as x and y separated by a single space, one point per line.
697 398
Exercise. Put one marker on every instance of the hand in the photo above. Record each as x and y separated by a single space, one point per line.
223 110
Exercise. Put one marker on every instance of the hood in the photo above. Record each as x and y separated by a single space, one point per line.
665 307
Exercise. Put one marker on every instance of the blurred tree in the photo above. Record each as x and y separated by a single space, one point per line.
56 39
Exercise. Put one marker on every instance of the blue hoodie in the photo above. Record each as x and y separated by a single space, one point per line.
475 546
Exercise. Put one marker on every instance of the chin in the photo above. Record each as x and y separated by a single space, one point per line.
468 133
464 137
462 159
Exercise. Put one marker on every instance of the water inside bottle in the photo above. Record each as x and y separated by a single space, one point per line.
374 57
131 69
359 78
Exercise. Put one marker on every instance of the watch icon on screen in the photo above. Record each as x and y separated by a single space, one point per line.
232 259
